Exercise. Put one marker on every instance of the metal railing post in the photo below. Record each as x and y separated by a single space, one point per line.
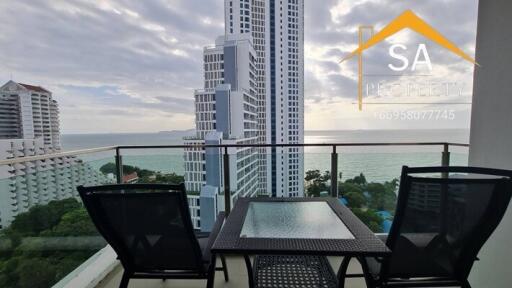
334 172
227 191
445 161
119 166
445 158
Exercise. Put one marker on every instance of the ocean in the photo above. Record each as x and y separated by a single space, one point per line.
377 163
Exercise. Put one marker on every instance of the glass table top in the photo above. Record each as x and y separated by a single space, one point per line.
293 220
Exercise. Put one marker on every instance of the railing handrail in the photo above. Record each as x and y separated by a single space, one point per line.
293 145
56 155
120 147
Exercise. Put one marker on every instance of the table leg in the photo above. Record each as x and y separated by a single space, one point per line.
250 274
342 271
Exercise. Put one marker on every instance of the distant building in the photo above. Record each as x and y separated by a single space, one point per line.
25 184
130 178
29 112
29 126
226 111
265 79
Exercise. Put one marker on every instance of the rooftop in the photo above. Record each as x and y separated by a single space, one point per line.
34 88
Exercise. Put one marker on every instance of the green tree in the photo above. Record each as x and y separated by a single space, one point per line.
158 177
370 218
127 169
74 223
42 217
359 180
27 265
312 175
347 187
109 168
382 196
355 199
317 182
36 273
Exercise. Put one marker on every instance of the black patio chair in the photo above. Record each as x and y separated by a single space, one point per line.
440 225
150 228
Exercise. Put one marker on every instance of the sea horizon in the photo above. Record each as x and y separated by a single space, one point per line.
305 131
378 163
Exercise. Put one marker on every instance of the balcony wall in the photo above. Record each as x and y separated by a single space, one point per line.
491 134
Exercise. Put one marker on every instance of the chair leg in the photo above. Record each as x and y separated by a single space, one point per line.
342 271
370 283
125 279
465 284
224 268
250 273
211 272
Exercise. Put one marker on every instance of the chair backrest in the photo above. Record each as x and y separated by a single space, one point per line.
448 215
148 225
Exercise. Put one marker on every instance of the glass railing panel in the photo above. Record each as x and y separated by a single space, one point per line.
45 229
175 166
368 177
317 172
152 165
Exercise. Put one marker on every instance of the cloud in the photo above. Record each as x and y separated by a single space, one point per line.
335 36
110 62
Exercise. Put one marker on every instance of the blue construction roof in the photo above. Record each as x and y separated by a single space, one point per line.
384 214
386 226
343 201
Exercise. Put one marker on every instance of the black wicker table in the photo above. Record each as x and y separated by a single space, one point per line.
294 227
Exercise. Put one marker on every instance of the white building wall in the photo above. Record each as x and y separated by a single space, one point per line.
29 119
235 93
254 22
491 134
195 213
25 184
37 113
285 105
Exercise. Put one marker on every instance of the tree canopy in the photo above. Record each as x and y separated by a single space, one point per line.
145 175
364 198
28 264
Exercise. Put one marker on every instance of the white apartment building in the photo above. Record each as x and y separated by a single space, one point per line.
29 126
29 112
25 184
277 27
272 104
250 17
285 114
226 113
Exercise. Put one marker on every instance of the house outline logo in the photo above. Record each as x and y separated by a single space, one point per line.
407 19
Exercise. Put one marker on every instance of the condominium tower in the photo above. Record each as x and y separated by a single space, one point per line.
29 126
267 36
277 28
226 113
29 112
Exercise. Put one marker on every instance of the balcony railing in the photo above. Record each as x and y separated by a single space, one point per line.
444 156
44 178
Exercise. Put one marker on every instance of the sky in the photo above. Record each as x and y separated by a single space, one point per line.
132 66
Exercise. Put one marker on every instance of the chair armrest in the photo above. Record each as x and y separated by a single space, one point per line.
201 234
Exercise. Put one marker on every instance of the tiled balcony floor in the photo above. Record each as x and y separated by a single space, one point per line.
237 275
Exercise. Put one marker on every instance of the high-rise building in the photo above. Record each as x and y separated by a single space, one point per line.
226 113
277 28
29 126
250 17
253 94
286 92
29 112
